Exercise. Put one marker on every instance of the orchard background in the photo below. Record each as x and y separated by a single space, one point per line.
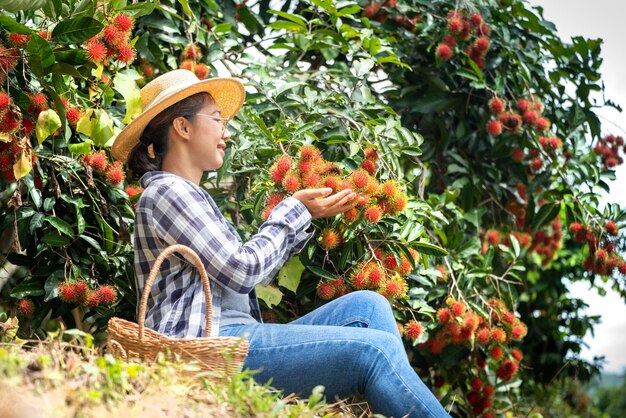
468 128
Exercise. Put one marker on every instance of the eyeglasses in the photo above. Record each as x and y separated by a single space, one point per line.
223 121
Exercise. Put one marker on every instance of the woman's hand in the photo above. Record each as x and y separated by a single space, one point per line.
321 204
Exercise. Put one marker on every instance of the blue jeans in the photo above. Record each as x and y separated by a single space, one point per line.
351 346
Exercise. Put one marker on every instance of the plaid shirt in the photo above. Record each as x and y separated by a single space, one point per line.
173 210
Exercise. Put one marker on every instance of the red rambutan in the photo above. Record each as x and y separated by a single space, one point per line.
123 22
96 52
494 127
107 295
413 329
443 52
25 308
329 239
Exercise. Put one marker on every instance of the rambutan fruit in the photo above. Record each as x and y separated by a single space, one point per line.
360 179
5 162
109 33
496 105
498 335
187 65
115 176
73 115
351 214
476 19
444 273
483 336
443 52
283 164
517 155
536 164
481 44
494 127
133 191
449 40
389 261
373 214
444 316
126 54
192 52
388 189
455 25
96 52
493 237
398 203
201 71
621 267
311 180
25 308
517 354
123 22
530 117
523 105
611 228
405 266
310 153
507 370
375 276
519 331
329 239
305 166
476 383
510 121
413 329
98 161
542 124
67 292
369 166
93 299
18 39
5 100
291 182
371 154
458 309
107 295
496 352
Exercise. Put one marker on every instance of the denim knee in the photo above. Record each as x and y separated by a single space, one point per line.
369 298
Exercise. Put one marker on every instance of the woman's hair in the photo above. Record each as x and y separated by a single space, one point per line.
156 133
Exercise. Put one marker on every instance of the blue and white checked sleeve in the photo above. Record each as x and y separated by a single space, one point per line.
182 215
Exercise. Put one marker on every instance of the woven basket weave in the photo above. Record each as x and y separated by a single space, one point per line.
217 355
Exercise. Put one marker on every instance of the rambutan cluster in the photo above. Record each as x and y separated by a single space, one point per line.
113 41
112 171
310 170
602 259
79 292
381 11
10 152
468 32
527 113
190 61
491 340
609 148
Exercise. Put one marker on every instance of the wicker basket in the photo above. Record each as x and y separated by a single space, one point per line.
217 355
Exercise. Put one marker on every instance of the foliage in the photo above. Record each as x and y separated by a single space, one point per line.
476 110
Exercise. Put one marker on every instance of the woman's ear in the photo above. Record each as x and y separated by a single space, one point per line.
181 127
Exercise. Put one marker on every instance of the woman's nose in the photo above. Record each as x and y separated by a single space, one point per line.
226 133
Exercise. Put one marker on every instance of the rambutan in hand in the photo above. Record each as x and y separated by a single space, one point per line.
321 204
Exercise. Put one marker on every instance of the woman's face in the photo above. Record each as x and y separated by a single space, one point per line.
208 138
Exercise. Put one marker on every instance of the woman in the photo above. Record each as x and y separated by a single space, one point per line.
351 346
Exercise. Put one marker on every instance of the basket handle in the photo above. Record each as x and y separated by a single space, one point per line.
155 270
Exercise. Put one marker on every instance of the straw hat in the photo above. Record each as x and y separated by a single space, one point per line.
170 88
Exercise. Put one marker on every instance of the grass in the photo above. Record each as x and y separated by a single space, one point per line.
66 376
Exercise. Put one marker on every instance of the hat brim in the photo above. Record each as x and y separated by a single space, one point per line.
228 94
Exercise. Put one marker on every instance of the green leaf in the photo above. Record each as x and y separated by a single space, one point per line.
430 249
40 56
139 9
289 276
82 148
97 125
12 26
13 6
60 225
126 85
289 16
76 30
186 9
321 272
289 26
55 240
47 123
545 214
271 295
31 287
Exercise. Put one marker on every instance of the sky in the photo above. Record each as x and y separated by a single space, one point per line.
601 19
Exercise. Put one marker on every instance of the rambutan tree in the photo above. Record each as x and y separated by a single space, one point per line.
479 172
